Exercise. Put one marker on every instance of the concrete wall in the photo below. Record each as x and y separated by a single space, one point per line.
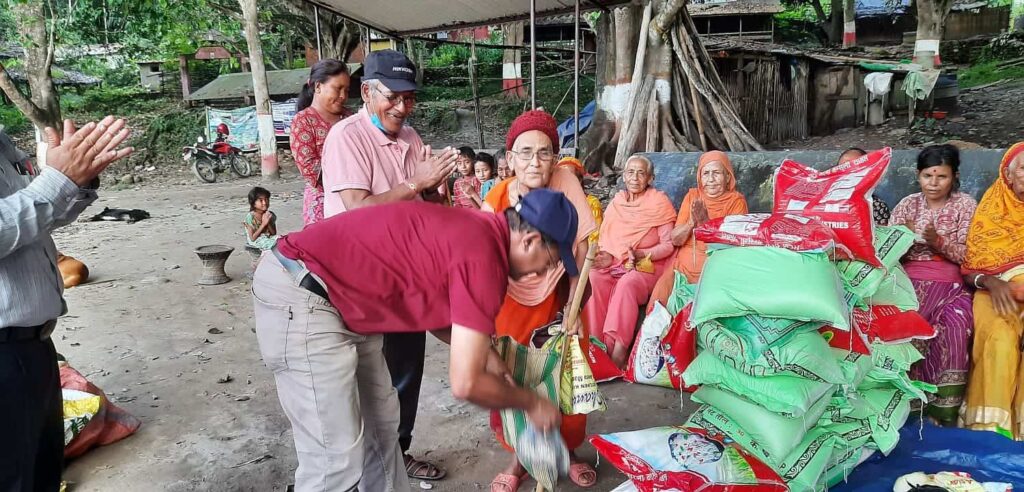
675 173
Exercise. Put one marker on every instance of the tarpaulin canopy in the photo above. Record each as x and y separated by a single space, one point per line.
404 18
987 456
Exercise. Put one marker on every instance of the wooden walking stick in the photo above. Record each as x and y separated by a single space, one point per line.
574 311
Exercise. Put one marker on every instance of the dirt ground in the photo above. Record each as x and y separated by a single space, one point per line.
183 358
160 346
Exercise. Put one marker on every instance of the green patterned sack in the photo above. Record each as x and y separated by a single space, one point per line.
758 334
806 355
776 435
771 283
855 366
682 294
891 243
842 463
804 468
892 409
786 395
891 362
896 290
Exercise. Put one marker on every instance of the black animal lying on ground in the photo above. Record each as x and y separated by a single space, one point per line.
121 214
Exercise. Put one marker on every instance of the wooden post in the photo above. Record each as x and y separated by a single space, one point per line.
476 97
264 117
186 79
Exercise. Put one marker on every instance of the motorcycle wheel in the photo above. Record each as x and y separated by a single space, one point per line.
205 169
240 165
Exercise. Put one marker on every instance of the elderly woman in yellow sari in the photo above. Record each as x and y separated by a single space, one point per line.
535 301
635 249
995 266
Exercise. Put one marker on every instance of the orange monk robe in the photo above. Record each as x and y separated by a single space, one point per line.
690 257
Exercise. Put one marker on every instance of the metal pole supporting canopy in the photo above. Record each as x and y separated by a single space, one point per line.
319 42
533 54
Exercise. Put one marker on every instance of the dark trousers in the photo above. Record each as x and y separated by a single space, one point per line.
31 417
404 354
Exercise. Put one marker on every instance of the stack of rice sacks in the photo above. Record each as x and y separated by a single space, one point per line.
776 328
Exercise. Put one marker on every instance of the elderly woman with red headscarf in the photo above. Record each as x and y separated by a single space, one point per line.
535 301
995 266
715 196
635 250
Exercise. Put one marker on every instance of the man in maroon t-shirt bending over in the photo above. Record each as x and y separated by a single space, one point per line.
327 293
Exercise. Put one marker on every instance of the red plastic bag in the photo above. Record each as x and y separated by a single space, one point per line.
840 198
890 325
109 425
792 232
601 364
686 459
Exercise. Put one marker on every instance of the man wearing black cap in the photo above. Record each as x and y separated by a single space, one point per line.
373 158
326 295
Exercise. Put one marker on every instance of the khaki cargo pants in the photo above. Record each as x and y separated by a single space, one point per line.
334 387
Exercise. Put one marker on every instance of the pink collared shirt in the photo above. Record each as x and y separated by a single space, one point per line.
358 156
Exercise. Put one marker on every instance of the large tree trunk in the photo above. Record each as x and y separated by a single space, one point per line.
849 23
835 23
42 106
339 36
616 53
1017 15
264 117
658 91
931 25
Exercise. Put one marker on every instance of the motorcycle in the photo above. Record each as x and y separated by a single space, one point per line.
208 161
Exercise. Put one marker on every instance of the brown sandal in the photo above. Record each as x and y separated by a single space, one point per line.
422 470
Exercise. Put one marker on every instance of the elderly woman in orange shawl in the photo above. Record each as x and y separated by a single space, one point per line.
715 196
635 250
995 266
535 301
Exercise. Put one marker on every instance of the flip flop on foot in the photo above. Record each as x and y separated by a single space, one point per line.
506 482
583 475
421 470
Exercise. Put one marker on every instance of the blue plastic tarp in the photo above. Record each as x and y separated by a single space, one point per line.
565 130
987 456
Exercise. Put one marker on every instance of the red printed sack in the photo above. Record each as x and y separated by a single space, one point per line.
686 459
601 364
890 325
840 198
792 232
663 349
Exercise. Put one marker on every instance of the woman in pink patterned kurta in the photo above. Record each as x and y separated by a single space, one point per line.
941 215
321 104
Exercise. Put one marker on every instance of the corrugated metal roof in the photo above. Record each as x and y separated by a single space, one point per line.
735 7
402 18
279 82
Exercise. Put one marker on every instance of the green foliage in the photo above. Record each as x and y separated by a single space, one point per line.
12 119
97 102
7 30
168 132
988 72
